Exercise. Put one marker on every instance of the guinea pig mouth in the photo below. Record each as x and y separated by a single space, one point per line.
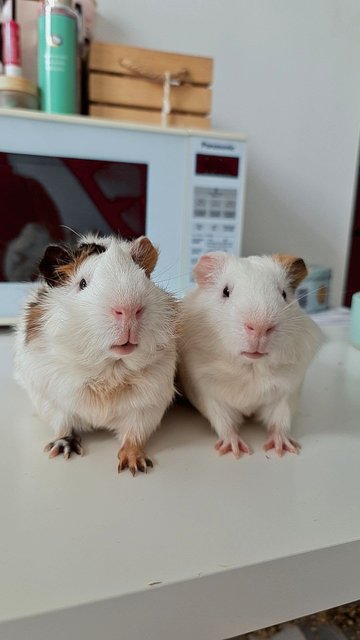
253 355
123 349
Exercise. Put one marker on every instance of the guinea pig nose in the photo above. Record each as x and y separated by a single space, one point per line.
259 330
126 313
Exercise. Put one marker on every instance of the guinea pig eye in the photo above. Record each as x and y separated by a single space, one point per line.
82 284
226 292
284 294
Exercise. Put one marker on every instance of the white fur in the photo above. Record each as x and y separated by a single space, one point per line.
73 378
218 379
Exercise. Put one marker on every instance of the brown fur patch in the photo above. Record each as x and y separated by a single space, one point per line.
59 262
68 270
131 449
34 316
144 254
177 308
294 266
101 393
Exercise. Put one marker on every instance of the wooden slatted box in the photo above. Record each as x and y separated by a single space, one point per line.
118 89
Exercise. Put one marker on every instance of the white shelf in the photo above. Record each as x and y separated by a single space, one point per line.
116 124
233 545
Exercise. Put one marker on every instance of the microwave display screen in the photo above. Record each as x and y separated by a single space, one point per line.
217 165
50 199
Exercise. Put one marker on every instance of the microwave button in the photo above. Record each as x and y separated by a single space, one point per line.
215 193
199 213
215 213
229 214
229 227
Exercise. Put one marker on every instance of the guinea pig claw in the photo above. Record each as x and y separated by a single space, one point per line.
54 450
133 458
281 444
66 445
237 446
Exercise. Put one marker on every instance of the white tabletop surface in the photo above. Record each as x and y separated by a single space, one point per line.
232 545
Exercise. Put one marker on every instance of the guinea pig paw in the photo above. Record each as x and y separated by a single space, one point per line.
133 458
66 445
281 444
234 445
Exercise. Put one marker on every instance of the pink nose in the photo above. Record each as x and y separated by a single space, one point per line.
127 313
259 330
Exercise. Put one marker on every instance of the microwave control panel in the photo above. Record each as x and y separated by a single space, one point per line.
213 223
217 168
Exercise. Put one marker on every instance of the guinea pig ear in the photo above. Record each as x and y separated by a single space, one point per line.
54 257
208 267
144 254
295 267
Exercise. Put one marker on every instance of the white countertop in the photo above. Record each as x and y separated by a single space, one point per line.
233 545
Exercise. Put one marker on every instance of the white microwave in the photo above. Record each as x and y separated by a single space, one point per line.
60 176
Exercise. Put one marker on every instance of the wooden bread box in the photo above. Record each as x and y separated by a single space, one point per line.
127 83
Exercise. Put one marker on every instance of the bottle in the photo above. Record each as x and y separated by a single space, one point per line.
11 48
10 40
57 57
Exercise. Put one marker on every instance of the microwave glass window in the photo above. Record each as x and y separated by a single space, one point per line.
226 166
46 200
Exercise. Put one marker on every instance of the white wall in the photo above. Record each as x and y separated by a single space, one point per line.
287 73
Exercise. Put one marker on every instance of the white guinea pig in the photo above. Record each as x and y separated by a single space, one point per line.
245 345
96 345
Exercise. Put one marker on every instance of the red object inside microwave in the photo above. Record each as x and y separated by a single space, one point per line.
46 200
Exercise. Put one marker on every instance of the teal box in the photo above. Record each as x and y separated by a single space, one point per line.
313 292
355 320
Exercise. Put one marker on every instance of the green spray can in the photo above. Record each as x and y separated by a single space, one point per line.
57 57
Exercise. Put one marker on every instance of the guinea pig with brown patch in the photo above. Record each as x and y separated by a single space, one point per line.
245 345
96 345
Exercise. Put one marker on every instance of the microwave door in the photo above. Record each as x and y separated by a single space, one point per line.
85 178
48 200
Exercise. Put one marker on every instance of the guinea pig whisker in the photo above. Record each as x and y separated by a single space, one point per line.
171 266
294 318
301 297
64 226
180 275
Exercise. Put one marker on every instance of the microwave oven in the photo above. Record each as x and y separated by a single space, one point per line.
66 175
